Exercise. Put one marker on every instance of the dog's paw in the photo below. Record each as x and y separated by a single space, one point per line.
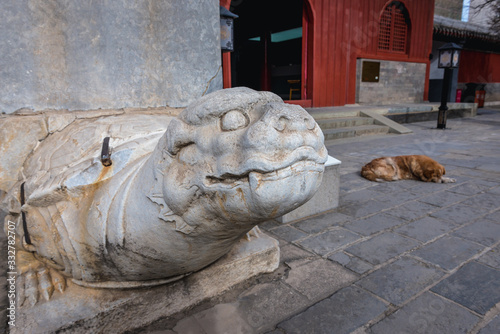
445 179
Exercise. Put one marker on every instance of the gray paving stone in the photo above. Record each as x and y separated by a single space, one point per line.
491 258
469 188
448 252
365 209
288 233
487 201
443 198
351 262
394 187
495 190
322 222
459 213
401 280
222 318
329 241
425 229
494 217
412 210
290 252
482 231
374 224
359 196
382 247
343 312
319 278
397 198
427 314
474 286
425 188
265 305
493 327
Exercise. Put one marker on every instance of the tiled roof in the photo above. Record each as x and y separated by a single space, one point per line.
455 28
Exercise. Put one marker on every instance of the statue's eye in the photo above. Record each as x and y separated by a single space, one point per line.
233 120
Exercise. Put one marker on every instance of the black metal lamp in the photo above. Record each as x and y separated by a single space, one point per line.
449 58
226 29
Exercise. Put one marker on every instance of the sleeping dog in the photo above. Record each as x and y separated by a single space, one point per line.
405 167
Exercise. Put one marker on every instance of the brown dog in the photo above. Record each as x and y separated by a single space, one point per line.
405 167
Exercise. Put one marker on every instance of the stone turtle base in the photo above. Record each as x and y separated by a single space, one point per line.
85 310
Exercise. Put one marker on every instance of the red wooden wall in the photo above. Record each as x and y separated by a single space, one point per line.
479 67
345 30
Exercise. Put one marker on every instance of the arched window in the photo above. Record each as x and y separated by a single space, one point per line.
394 28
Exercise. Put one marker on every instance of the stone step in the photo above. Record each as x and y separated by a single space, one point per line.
354 131
343 122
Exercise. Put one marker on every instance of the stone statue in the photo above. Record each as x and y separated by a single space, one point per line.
163 204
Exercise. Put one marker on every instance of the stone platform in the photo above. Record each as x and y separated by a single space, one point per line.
85 310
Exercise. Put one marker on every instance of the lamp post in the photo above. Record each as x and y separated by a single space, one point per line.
449 58
226 29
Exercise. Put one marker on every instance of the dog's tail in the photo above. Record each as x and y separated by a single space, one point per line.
368 173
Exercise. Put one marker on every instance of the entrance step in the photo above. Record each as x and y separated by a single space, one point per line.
343 122
354 131
340 126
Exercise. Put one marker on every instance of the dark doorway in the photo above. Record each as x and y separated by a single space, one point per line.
268 46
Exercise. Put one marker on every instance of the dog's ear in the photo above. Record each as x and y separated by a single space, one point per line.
443 171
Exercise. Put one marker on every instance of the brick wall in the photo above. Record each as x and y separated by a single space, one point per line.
399 82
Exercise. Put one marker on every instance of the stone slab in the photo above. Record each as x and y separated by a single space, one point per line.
482 231
493 327
322 222
343 312
425 229
374 224
382 247
315 279
400 280
106 310
427 314
491 258
329 241
448 252
468 287
326 198
351 262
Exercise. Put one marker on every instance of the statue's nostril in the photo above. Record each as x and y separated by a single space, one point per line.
310 123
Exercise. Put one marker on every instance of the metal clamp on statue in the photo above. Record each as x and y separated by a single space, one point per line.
177 196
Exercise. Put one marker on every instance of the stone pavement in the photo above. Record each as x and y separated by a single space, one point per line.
399 257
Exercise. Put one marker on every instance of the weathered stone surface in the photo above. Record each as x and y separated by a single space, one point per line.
82 310
326 198
426 228
448 252
20 135
400 280
77 56
316 278
343 312
428 314
329 241
382 247
468 284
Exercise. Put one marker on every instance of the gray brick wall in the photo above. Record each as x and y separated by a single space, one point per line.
399 82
